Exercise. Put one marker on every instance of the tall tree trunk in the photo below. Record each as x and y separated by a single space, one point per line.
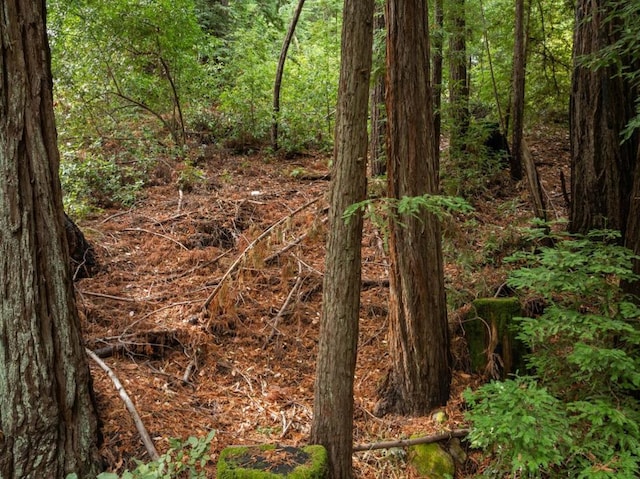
602 103
517 110
333 398
458 81
436 79
632 234
48 421
378 115
280 72
420 374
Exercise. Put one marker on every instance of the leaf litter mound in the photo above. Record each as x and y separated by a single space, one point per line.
207 306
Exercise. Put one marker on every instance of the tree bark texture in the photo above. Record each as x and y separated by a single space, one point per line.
378 115
436 78
337 350
48 423
602 103
420 374
519 61
458 81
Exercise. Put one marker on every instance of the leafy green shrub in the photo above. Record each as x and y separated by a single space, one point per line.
309 85
97 181
183 460
521 423
579 416
472 171
113 61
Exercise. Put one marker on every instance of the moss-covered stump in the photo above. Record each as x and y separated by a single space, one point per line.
431 461
272 462
493 346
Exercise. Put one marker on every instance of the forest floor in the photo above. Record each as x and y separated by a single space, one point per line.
207 302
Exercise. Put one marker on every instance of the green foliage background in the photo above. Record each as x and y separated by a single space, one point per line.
579 415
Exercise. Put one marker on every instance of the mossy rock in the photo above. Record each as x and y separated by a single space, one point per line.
490 331
270 461
431 461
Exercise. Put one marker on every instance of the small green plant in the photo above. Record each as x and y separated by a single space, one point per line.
580 415
190 176
183 460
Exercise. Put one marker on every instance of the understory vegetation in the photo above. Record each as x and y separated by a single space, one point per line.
153 93
577 412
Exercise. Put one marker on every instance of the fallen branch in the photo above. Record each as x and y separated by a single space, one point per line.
146 439
187 373
445 436
108 296
314 176
272 257
285 305
238 260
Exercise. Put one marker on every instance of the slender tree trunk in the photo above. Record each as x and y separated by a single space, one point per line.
436 81
458 81
602 103
420 375
519 60
333 398
280 71
48 424
378 116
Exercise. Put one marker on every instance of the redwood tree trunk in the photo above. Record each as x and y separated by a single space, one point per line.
333 394
602 103
378 115
420 374
458 82
436 81
47 417
519 60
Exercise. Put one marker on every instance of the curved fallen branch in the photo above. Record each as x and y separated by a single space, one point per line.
146 439
412 442
239 259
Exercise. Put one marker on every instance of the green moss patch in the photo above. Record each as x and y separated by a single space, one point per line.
272 462
431 461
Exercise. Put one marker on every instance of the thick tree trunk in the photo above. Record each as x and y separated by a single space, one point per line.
420 375
48 421
333 396
602 103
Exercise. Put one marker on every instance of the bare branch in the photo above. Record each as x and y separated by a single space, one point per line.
445 436
146 439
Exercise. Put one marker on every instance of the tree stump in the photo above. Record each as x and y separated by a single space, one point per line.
493 347
272 462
